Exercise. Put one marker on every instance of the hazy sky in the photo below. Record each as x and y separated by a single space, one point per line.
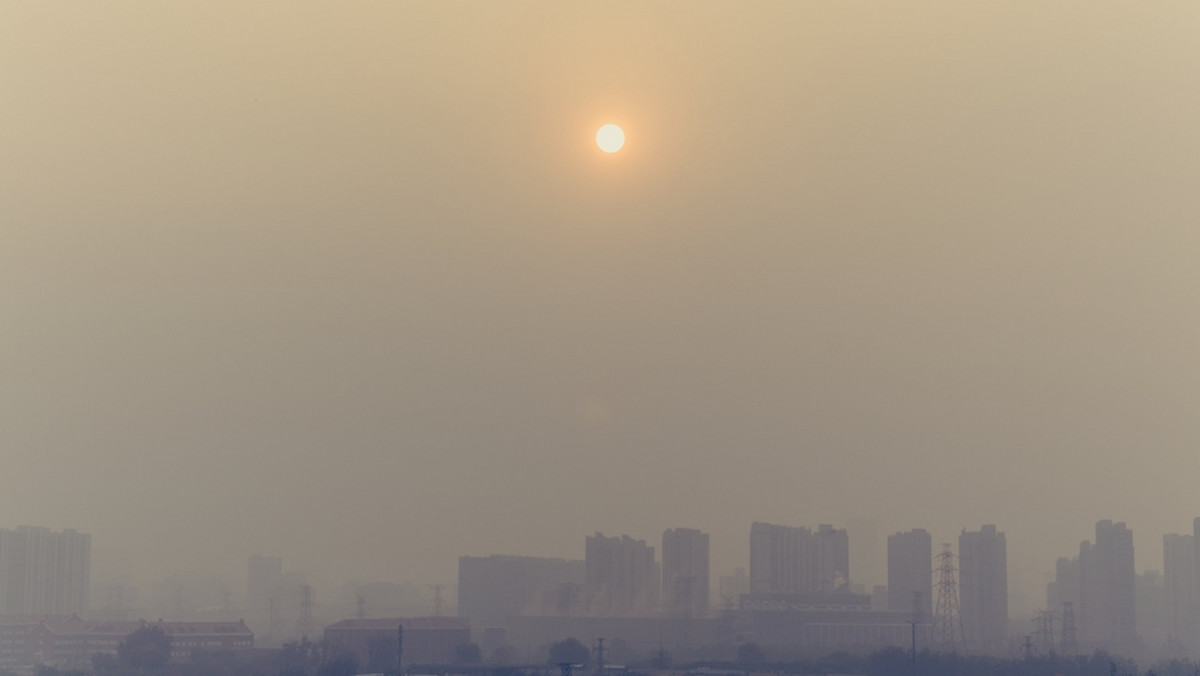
350 282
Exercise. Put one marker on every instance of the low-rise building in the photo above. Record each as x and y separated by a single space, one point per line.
73 642
373 641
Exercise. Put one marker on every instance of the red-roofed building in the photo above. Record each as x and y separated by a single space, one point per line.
17 646
73 642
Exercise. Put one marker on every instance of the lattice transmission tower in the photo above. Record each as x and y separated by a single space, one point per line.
306 624
1069 643
947 622
1045 631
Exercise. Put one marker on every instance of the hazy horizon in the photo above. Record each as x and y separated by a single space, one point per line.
351 283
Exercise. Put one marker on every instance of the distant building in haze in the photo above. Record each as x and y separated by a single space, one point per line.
790 560
685 572
43 572
263 574
1179 582
983 588
274 600
180 598
1065 586
777 558
620 576
1150 609
831 560
910 572
868 566
1108 611
373 642
731 587
492 588
73 643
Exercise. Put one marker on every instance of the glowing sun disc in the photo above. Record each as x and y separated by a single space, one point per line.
610 138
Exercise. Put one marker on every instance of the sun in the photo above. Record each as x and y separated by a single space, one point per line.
610 138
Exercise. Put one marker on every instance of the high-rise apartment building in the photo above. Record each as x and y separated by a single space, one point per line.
1065 586
492 588
1179 581
43 572
831 560
869 565
685 572
263 576
790 560
1108 611
620 576
910 572
1150 609
983 588
274 600
777 556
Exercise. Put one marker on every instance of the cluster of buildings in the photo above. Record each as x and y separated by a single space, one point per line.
1112 605
798 593
71 642
618 577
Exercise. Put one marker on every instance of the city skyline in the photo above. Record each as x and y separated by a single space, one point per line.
366 288
1112 603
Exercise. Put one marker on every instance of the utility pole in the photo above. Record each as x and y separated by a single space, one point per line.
600 656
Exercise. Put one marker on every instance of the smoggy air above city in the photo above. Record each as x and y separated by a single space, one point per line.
361 289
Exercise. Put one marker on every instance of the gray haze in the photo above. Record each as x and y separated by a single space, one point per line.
350 283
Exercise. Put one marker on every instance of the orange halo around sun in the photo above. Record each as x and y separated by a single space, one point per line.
610 138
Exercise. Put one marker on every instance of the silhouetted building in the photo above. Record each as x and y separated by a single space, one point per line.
1150 610
731 587
776 602
983 588
274 600
72 643
43 572
427 640
18 646
491 588
178 598
1179 581
530 636
824 630
685 572
1107 612
869 565
1065 586
831 559
263 575
621 576
387 599
778 559
910 572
